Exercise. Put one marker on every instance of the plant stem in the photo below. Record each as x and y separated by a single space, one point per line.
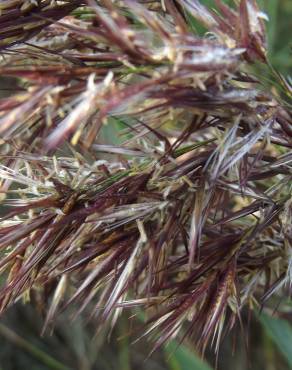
20 342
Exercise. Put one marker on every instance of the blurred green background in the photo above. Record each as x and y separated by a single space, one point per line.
74 345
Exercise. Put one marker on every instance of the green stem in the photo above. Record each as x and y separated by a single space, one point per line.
20 342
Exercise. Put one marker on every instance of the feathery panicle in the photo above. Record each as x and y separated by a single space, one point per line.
189 214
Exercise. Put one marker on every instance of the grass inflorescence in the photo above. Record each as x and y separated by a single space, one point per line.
188 215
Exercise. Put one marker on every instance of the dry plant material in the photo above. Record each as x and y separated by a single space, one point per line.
189 216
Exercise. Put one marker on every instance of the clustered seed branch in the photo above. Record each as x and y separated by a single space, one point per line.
143 165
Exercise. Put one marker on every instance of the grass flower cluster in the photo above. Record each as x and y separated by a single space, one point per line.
188 214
